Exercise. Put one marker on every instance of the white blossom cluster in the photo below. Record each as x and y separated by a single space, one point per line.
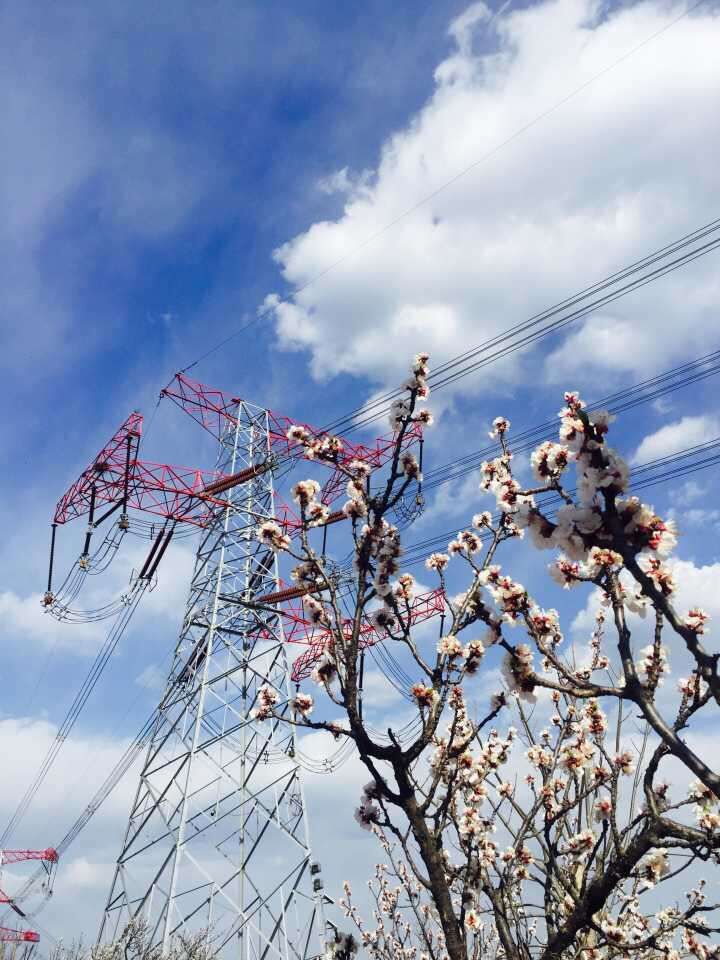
416 387
653 664
368 813
454 762
355 508
706 806
324 447
632 931
271 535
399 908
313 511
578 526
303 704
267 698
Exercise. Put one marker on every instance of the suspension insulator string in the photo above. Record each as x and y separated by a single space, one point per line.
48 598
153 567
124 524
360 684
85 555
108 513
153 551
419 500
324 543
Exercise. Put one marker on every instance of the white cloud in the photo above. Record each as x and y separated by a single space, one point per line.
24 742
26 619
343 182
696 586
81 872
673 437
378 692
690 492
609 176
692 507
701 519
153 677
80 768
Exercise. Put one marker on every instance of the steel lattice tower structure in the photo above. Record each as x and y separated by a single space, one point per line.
217 837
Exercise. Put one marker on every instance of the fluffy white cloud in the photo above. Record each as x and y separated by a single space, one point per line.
696 586
684 433
701 519
81 765
610 175
26 619
82 873
80 768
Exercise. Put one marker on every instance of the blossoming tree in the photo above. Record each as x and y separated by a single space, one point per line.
545 825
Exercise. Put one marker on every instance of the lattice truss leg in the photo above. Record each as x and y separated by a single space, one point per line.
217 837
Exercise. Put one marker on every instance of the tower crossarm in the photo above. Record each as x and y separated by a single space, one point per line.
19 856
47 856
217 412
18 936
103 473
183 494
319 642
117 478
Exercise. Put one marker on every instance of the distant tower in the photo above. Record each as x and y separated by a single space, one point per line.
218 837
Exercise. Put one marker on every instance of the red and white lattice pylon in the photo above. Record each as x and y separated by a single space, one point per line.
206 823
49 857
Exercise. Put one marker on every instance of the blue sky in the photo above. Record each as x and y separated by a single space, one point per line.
166 169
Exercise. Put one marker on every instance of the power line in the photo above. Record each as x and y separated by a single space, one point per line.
646 391
103 792
76 707
669 468
552 319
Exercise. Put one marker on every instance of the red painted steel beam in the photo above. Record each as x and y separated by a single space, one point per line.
102 472
424 607
18 936
19 856
183 494
215 411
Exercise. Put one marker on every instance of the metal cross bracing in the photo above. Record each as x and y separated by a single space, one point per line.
213 410
319 641
118 480
217 838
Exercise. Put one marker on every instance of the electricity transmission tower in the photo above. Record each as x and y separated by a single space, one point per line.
217 837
